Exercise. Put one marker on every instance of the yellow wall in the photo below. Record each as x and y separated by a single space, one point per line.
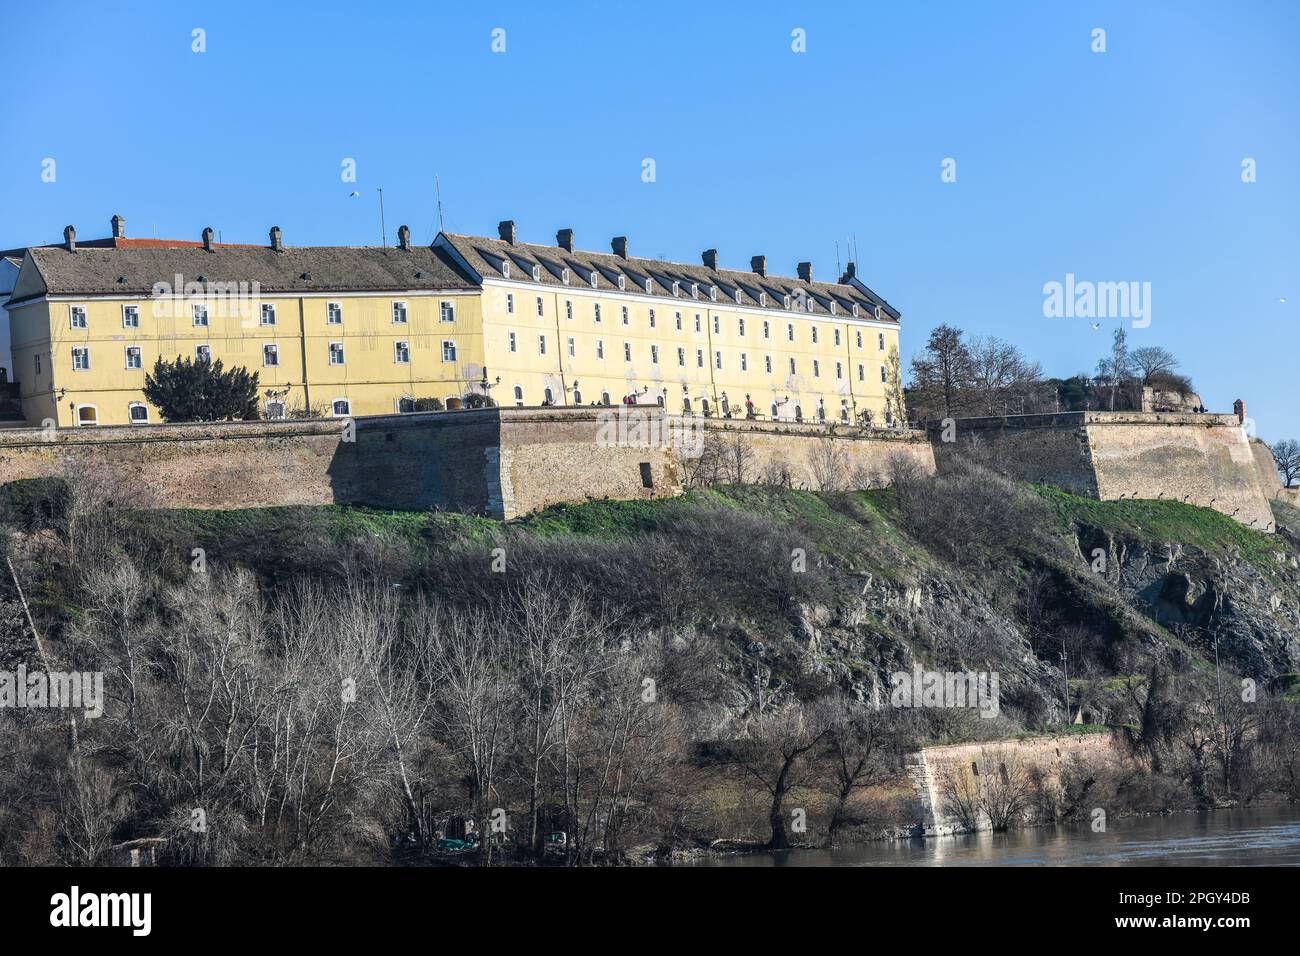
369 378
534 372
373 382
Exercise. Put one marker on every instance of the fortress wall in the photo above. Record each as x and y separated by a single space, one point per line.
1045 449
1204 460
792 444
936 770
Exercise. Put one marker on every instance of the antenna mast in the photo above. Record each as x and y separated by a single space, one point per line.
438 185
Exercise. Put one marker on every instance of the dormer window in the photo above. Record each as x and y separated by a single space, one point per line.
505 269
622 283
785 301
677 287
762 298
695 290
564 276
648 286
855 310
537 273
737 296
713 293
878 311
834 307
593 280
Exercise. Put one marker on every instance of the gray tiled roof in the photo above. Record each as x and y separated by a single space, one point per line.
484 255
297 269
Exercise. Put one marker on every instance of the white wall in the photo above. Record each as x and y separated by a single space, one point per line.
8 276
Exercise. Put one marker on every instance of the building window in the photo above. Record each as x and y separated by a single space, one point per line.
577 396
717 359
81 359
776 411
130 316
137 413
625 315
837 336
203 353
541 308
341 407
402 353
844 411
679 321
627 351
519 396
270 355
654 354
333 313
699 358
541 345
604 398
789 332
573 347
652 318
858 335
881 340
681 357
447 308
600 348
87 415
839 370
817 369
200 313
77 316
883 377
405 405
697 321
744 362
742 326
814 335
537 273
862 373
568 309
792 367
717 326
399 313
513 342
268 313
767 364
596 311
767 329
336 353
448 350
38 363
133 357
510 304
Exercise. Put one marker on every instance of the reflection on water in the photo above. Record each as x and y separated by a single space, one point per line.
1246 837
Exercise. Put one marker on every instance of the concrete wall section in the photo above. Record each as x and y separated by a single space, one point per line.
1046 449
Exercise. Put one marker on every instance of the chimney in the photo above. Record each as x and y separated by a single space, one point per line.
850 272
207 239
404 238
711 259
506 230
70 238
564 239
119 227
805 271
758 264
1239 409
276 244
619 245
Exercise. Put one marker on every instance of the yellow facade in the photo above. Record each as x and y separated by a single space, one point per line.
718 352
74 366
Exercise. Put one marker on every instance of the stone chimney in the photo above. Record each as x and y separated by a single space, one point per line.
404 238
805 271
70 238
276 243
758 264
1239 409
564 239
710 257
850 272
207 239
619 245
118 225
506 230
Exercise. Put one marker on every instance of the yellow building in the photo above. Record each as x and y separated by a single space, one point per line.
363 331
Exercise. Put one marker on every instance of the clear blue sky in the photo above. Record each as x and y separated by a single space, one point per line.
1116 166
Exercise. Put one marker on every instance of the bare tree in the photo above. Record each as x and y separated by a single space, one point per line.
863 750
944 368
1151 361
1286 454
829 463
776 751
1000 374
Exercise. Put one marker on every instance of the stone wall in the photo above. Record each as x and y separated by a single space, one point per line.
934 771
1204 460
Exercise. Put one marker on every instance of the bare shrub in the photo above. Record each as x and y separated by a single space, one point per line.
828 461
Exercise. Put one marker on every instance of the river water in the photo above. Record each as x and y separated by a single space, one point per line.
1267 836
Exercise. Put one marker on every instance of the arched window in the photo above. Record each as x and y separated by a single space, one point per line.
798 413
548 397
454 403
704 406
138 413
577 397
604 398
686 405
821 412
275 410
405 405
519 396
87 415
775 411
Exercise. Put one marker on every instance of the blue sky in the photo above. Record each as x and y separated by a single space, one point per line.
1117 166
